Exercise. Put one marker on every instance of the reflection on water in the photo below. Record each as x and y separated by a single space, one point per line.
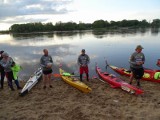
116 46
155 31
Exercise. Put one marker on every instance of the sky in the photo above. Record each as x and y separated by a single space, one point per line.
86 11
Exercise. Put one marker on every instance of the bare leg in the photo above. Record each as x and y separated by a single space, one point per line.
49 80
81 77
138 83
87 75
44 81
131 78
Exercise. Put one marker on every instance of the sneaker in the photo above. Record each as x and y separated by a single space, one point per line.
12 89
44 87
139 86
50 86
19 88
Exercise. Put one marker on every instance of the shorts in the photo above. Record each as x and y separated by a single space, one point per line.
83 69
46 72
137 72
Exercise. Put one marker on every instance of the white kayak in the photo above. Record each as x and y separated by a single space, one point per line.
33 80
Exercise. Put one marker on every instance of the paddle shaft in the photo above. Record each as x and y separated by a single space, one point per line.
59 75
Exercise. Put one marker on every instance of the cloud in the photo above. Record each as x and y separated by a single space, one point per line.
17 9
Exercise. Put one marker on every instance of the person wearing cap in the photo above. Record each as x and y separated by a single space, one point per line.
136 61
2 71
83 61
6 62
46 63
15 69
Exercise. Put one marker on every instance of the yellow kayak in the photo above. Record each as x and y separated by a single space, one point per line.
75 83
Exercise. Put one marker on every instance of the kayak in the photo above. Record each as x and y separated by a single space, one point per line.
33 80
74 82
116 82
149 74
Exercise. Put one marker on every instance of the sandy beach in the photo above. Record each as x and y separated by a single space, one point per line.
63 102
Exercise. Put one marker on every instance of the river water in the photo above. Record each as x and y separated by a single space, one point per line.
64 47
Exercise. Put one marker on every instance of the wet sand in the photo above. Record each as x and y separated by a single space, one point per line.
63 102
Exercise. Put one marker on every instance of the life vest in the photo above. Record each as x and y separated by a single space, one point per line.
15 69
66 74
157 75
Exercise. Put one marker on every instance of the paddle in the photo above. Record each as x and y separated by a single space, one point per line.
107 65
95 77
68 74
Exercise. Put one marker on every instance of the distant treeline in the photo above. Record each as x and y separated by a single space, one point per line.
69 26
4 32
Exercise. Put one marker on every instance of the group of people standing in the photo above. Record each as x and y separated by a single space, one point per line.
9 69
136 61
47 62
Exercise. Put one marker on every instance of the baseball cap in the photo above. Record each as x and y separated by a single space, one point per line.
83 50
5 54
139 47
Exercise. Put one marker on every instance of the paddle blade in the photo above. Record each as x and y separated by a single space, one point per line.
106 64
106 67
56 75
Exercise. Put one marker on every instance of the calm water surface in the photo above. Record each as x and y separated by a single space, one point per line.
64 47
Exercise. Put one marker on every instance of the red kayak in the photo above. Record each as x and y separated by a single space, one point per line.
116 82
149 74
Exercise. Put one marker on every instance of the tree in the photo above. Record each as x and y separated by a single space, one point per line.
155 23
99 24
48 27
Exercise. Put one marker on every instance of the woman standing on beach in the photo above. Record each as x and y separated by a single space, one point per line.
6 62
46 63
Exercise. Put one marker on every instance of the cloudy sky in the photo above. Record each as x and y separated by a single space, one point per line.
87 11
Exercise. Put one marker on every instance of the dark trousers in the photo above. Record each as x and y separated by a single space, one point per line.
137 72
9 76
17 84
87 75
2 77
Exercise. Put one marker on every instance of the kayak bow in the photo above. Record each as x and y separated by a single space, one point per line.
33 80
116 82
149 74
75 83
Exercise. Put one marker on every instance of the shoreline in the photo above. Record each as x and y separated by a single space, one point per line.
63 102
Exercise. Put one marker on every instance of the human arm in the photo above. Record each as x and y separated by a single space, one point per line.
51 60
42 62
7 63
79 61
132 60
88 60
141 62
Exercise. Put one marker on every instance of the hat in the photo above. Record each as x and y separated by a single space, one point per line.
83 50
139 47
1 52
5 54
